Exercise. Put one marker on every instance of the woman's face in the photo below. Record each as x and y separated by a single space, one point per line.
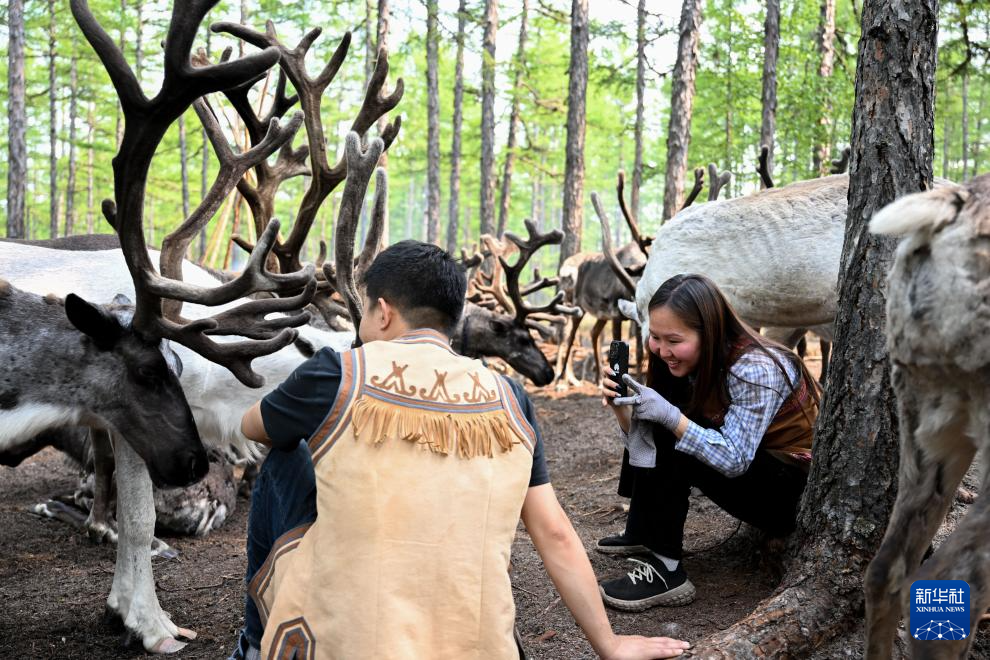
674 342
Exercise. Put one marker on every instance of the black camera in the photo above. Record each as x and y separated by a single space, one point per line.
618 361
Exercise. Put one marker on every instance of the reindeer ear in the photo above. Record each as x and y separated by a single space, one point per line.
93 321
931 209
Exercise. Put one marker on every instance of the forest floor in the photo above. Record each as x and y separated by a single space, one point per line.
54 582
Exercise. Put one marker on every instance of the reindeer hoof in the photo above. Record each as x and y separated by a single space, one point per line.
168 645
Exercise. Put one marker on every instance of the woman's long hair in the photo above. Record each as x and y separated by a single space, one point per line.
701 306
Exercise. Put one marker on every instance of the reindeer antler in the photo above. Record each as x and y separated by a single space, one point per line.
607 250
763 169
717 181
310 90
643 242
840 164
553 310
145 123
699 182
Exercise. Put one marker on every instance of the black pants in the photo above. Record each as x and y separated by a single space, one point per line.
765 496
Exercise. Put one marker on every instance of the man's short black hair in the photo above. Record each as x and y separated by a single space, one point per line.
422 281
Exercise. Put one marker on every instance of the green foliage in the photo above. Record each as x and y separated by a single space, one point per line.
725 122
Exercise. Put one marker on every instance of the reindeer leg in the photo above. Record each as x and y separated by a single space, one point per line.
132 596
926 487
964 556
596 336
565 375
826 347
99 525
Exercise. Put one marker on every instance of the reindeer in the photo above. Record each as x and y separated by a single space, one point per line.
108 377
596 281
938 309
155 315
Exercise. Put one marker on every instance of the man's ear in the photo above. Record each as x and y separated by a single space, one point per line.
388 313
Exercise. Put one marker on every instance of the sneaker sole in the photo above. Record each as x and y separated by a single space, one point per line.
622 549
676 597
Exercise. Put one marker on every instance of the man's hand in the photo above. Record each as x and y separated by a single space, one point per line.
636 647
649 405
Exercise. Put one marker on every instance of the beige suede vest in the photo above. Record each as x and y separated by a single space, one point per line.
422 466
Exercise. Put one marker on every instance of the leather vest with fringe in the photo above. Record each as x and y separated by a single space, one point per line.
422 466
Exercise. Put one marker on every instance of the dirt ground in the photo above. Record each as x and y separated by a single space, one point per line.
54 582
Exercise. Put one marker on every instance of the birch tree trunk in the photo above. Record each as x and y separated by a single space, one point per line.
183 166
16 122
455 140
826 47
965 124
53 214
853 480
204 172
70 186
487 183
637 174
510 146
573 202
771 44
681 104
122 44
433 127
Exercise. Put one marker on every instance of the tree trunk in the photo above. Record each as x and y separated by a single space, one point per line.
488 119
771 44
433 127
573 203
410 207
455 140
90 136
16 121
681 104
183 166
122 44
978 142
382 42
965 124
826 47
70 186
53 214
851 488
946 133
369 45
727 164
205 171
510 146
637 175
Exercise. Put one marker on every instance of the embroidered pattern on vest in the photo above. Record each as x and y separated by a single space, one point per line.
439 391
479 393
394 381
293 640
263 578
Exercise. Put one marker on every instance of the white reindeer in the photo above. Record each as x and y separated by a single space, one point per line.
938 313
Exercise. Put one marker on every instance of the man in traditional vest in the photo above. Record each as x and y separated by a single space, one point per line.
382 521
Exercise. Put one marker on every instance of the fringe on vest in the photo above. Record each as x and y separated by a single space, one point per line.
465 435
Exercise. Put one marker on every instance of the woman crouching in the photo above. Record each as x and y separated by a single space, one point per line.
724 409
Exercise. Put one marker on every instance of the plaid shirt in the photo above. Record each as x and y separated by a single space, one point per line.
757 389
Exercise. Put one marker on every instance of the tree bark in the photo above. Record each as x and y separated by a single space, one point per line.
978 142
965 124
637 174
851 488
510 146
727 164
204 172
433 127
122 44
455 140
487 183
70 186
771 44
946 133
826 47
681 104
53 214
90 137
183 166
16 121
573 202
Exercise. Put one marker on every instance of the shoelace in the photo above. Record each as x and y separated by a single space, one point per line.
644 571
